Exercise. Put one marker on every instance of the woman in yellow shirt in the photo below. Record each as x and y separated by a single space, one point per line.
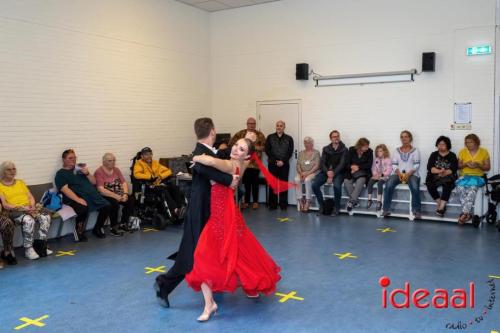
18 201
473 163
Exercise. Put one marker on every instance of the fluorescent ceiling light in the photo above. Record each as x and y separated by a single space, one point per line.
366 78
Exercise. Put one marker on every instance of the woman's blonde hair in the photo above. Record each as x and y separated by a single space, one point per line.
308 139
4 166
105 156
384 149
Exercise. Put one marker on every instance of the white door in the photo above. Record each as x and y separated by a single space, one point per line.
268 113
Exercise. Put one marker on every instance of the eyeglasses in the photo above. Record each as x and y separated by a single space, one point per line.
110 160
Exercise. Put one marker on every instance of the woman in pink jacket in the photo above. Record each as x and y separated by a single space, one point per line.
381 170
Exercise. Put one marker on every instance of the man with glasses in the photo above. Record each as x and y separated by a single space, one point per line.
251 175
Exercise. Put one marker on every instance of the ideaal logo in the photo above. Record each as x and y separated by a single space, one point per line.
440 299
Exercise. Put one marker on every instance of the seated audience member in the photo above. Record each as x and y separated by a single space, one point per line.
307 168
381 170
114 188
7 231
148 169
77 185
359 169
251 176
332 164
405 162
442 169
473 163
21 207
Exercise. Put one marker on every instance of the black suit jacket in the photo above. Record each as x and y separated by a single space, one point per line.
198 210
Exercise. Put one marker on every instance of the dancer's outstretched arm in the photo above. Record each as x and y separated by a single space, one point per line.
222 165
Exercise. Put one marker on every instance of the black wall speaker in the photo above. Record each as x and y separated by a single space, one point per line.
302 71
429 62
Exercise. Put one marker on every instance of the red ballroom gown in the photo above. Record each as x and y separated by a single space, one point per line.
228 255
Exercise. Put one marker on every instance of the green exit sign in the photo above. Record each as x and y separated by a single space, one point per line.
479 50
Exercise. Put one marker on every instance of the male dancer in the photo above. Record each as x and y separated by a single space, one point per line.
198 211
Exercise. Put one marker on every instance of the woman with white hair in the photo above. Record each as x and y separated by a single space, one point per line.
114 188
307 168
20 205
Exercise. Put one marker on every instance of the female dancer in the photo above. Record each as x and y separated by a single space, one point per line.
228 255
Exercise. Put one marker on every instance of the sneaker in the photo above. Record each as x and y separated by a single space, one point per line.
386 213
349 206
255 206
440 212
417 215
126 228
31 254
253 295
99 233
49 251
379 206
369 204
115 232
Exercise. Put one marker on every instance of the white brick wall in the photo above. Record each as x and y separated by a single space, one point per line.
255 49
99 76
117 75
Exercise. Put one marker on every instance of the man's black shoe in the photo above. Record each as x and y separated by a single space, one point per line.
161 300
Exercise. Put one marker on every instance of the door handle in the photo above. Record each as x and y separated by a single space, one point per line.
295 153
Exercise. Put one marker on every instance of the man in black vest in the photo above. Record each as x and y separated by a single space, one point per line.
198 211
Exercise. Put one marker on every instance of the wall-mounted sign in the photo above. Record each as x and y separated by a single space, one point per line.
479 50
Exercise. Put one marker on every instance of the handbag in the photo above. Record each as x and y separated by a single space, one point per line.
51 200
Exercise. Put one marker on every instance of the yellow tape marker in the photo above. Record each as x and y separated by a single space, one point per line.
290 295
386 230
343 256
283 219
28 322
149 229
65 253
493 277
494 331
159 269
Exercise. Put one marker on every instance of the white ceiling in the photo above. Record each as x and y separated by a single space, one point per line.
216 5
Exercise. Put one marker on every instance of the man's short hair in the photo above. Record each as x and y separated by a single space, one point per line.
202 127
333 132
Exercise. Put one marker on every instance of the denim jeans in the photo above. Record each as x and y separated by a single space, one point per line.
320 179
413 184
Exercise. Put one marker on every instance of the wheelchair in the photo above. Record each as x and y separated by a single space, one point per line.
152 207
493 193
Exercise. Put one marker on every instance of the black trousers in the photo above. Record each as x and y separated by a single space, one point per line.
169 281
281 173
127 211
82 212
251 182
432 187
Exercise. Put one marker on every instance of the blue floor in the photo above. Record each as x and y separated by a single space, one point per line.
104 288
